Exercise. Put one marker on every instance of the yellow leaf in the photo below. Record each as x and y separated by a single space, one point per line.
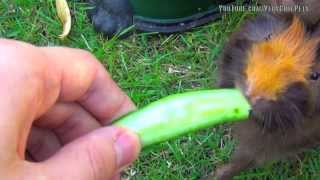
64 16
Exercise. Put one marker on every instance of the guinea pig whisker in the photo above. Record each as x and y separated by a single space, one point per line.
268 119
296 114
265 122
282 123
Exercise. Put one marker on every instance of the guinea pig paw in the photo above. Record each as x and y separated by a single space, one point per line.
111 17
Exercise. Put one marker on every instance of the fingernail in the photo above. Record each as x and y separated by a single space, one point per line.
126 148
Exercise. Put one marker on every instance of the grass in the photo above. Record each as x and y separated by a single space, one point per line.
148 67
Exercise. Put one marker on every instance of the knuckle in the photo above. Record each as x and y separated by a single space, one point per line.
86 54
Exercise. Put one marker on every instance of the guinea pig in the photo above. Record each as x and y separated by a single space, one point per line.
275 62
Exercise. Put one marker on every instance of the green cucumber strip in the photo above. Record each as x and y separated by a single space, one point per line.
179 114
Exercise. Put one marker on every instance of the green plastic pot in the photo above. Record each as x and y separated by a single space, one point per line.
166 16
171 10
174 15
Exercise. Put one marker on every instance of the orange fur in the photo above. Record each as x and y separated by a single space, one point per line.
276 63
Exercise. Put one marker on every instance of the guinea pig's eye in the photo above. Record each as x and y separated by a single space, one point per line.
268 37
315 76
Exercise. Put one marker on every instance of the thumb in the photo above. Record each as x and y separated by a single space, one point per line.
98 155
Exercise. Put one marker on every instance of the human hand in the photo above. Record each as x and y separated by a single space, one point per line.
54 103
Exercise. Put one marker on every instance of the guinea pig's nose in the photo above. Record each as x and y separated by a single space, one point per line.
251 97
254 99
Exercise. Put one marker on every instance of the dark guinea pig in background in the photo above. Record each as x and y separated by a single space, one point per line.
274 59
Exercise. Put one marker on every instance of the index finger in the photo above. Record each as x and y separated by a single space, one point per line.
100 95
